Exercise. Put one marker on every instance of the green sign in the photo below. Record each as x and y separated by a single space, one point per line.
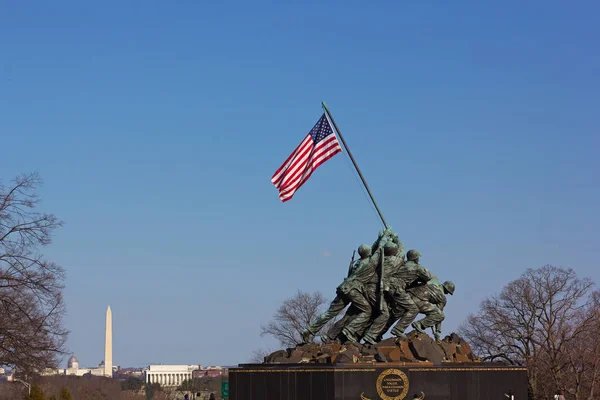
225 390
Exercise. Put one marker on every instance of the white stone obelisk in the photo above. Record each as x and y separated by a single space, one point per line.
108 344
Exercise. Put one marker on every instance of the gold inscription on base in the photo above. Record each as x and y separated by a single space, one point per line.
392 384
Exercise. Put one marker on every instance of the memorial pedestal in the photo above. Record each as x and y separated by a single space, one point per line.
378 381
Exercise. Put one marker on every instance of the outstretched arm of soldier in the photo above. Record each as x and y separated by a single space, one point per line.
383 238
374 259
376 243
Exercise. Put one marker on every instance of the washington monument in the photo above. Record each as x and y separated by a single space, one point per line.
108 344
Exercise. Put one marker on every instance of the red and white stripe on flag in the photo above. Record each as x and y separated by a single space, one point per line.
317 147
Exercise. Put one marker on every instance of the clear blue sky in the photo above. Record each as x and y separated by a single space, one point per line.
157 126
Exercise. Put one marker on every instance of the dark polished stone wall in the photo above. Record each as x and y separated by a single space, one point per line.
381 381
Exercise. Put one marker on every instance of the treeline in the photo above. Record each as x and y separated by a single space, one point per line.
68 388
96 387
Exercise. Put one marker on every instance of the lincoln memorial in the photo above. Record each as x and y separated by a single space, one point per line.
169 375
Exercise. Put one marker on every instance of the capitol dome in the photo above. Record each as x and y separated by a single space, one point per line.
73 363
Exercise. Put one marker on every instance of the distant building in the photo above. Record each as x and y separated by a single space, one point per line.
97 371
7 376
73 363
73 368
169 375
123 373
209 372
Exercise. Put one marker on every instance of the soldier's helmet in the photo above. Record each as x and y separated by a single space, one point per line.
449 286
390 249
364 250
413 255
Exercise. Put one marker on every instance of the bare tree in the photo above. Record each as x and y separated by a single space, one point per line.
534 322
258 355
581 357
32 336
293 316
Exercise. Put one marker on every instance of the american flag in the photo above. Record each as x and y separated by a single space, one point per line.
317 147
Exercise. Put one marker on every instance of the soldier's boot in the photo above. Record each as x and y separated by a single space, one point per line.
349 336
433 316
418 326
325 339
398 333
369 340
436 333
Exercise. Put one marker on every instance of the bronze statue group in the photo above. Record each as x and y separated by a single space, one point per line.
384 291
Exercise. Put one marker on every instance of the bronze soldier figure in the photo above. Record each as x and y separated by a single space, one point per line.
384 290
367 281
430 299
361 321
349 291
393 260
402 307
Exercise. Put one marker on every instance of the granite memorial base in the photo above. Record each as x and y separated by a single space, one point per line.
378 381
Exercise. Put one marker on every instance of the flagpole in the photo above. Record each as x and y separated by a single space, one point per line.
354 163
